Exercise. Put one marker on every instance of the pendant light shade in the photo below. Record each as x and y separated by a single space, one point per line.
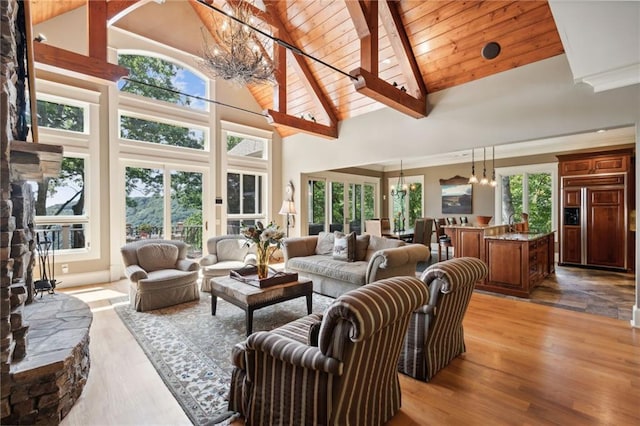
484 180
493 182
473 178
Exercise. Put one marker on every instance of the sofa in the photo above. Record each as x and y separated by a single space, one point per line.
160 275
225 252
372 258
308 371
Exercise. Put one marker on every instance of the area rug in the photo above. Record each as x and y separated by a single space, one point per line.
191 349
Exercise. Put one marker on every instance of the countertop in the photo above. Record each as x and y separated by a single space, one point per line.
518 236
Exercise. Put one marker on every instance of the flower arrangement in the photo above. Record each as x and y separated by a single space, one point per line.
266 239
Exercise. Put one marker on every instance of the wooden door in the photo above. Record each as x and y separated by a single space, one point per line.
571 244
605 228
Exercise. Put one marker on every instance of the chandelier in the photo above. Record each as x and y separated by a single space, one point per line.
400 190
238 53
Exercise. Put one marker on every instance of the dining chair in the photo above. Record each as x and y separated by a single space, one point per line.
451 220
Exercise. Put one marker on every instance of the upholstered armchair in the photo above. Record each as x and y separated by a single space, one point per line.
160 275
338 368
225 252
435 335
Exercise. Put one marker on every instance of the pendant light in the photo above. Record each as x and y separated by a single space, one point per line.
484 179
473 178
493 172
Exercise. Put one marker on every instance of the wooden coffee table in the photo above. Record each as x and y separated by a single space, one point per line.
251 298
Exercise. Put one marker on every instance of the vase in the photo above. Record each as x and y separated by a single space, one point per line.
262 263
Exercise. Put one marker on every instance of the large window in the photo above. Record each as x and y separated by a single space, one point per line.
245 201
409 207
67 214
247 179
149 75
527 189
153 131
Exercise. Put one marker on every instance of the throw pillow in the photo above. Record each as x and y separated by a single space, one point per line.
325 243
231 249
362 242
344 248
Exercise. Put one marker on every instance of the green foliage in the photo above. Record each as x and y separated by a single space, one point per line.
539 199
154 71
233 141
415 203
59 116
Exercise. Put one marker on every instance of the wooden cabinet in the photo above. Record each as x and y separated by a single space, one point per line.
595 199
517 265
470 243
587 164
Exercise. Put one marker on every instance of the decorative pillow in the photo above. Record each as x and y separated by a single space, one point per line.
344 247
325 243
362 242
153 257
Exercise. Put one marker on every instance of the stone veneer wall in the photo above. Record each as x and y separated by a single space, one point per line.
39 381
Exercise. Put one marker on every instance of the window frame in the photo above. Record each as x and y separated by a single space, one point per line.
78 145
551 168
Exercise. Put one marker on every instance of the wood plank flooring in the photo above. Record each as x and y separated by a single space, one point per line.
525 364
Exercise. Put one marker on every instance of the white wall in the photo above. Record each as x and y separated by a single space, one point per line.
536 101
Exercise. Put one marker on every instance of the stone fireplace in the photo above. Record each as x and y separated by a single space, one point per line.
44 342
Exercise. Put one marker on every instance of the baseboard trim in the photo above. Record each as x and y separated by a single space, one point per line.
635 316
76 280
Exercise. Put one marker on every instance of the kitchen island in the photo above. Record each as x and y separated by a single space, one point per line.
517 262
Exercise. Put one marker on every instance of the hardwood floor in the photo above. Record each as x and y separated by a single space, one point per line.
525 363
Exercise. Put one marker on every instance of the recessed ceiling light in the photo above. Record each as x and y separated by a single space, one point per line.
491 50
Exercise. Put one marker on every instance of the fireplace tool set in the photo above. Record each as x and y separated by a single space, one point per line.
46 256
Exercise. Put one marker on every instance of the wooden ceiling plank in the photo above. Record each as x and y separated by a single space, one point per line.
65 59
277 118
97 29
401 46
383 92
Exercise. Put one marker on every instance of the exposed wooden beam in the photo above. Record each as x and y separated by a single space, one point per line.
277 118
392 22
61 58
364 15
310 82
357 11
280 69
383 92
97 29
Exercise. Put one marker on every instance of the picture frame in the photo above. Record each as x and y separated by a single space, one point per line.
457 195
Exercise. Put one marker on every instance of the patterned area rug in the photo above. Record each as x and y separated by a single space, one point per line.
191 349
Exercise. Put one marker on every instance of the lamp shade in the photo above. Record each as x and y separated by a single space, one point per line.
288 207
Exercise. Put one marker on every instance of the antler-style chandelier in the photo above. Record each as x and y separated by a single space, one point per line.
239 53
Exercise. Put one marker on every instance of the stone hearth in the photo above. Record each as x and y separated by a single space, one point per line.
49 379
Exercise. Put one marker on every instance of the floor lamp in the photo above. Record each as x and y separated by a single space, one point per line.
288 208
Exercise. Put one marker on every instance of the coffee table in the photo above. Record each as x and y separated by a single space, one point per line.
251 298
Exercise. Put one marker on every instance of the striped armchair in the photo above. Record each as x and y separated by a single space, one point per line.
338 368
435 334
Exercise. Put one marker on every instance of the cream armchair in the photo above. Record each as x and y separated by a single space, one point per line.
435 335
225 252
160 275
314 370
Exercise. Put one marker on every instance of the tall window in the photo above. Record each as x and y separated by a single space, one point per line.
528 189
66 208
407 208
244 201
246 157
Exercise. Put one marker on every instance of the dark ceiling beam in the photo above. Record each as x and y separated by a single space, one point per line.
392 22
368 83
96 63
276 119
66 59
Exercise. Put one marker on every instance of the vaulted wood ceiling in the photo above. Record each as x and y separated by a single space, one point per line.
422 46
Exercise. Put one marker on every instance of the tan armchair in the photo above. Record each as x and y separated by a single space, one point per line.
225 252
315 370
435 335
160 275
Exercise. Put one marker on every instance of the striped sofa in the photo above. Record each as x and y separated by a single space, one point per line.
435 334
336 368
